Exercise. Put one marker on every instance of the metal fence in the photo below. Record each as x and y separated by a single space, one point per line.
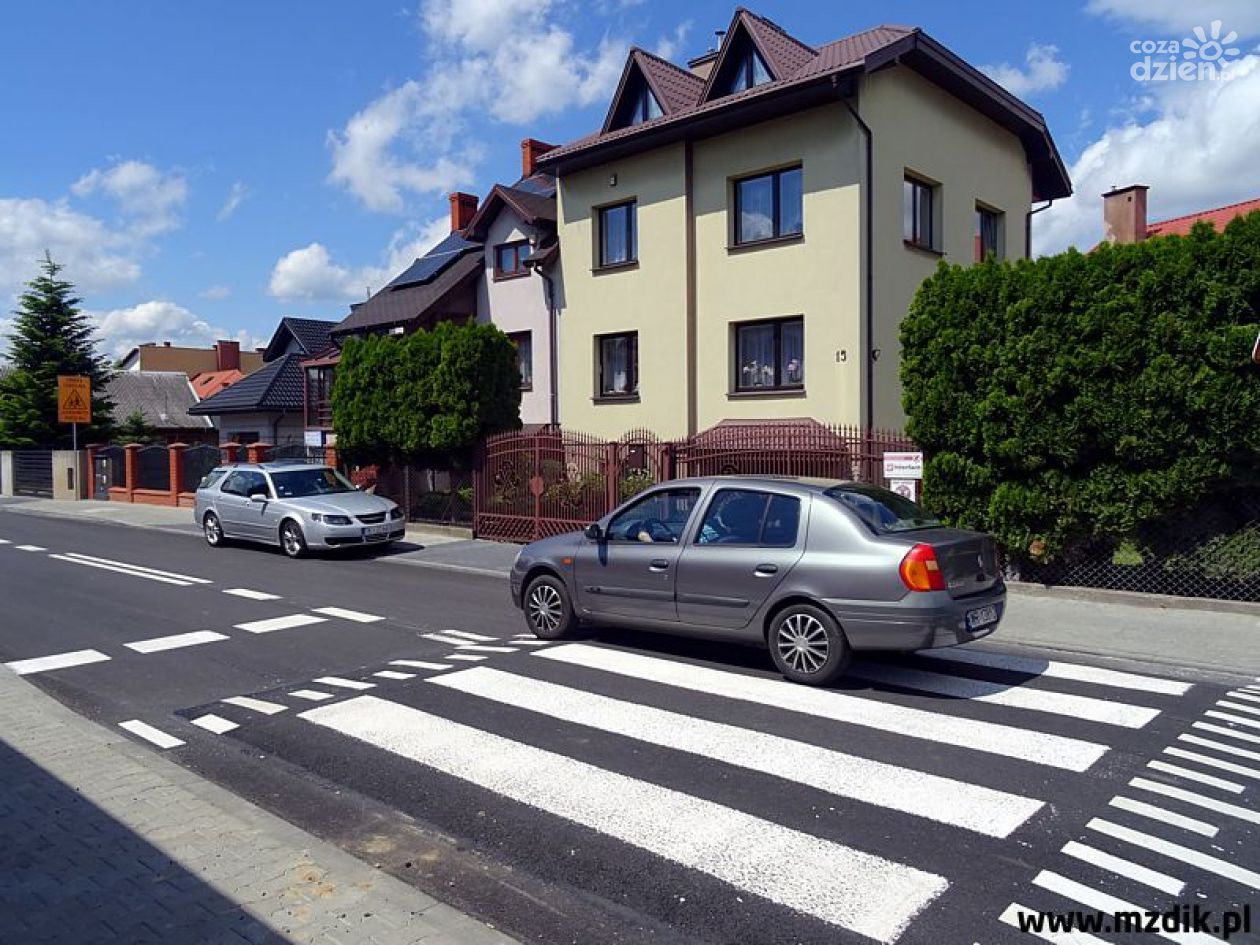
439 496
153 468
198 460
297 451
529 485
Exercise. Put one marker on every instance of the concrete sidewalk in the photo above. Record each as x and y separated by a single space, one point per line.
106 841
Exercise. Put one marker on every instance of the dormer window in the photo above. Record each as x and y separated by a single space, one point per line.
644 106
748 71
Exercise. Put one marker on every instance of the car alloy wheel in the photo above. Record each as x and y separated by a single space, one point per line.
292 540
808 646
547 609
802 643
213 530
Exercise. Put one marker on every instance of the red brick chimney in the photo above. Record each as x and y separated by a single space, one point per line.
1124 214
463 207
531 150
227 355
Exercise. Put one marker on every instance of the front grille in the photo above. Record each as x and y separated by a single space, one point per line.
374 519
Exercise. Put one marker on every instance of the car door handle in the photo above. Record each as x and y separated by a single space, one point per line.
765 570
658 564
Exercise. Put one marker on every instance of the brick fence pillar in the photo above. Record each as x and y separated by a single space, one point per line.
231 452
92 449
131 469
330 456
257 452
175 452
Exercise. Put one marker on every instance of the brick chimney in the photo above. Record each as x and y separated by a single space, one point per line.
227 355
463 207
1124 214
531 150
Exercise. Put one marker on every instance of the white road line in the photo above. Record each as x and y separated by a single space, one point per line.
1164 816
464 657
944 800
1015 910
343 614
255 705
475 637
481 648
280 623
859 891
1102 902
1236 707
311 695
420 664
1060 670
1198 800
1245 696
1222 730
340 683
5 541
1175 851
1226 717
394 674
139 567
175 641
150 734
215 723
1190 775
118 570
1126 868
43 664
532 642
442 638
1210 762
250 595
1016 697
30 548
1042 748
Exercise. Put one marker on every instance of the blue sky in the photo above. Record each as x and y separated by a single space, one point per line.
204 169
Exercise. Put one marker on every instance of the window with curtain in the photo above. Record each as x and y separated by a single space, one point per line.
988 228
509 259
770 355
618 357
617 238
768 206
917 224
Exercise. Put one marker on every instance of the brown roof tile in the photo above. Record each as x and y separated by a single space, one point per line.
786 53
677 87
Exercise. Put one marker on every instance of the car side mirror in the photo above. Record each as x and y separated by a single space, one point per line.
593 531
257 497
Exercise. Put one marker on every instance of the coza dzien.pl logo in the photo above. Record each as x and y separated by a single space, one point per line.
1205 56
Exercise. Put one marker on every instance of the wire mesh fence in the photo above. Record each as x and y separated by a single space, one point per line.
437 496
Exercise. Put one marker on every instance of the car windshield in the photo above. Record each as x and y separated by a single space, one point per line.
883 510
301 483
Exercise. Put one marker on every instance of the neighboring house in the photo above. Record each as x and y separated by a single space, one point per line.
1124 216
224 356
211 382
749 233
268 405
164 399
518 288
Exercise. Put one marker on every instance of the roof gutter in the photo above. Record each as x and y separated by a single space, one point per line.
868 240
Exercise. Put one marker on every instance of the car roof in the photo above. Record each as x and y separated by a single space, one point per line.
794 484
275 465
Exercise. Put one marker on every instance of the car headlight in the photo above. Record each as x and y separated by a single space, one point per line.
395 513
336 520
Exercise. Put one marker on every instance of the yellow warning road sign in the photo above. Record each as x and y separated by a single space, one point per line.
74 399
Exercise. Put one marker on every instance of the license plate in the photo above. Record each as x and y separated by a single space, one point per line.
375 531
981 617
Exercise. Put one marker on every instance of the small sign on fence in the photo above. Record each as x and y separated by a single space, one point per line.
903 465
906 488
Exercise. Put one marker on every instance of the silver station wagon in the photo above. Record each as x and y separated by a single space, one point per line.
813 569
298 506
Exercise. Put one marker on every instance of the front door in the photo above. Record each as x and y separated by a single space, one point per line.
629 572
747 542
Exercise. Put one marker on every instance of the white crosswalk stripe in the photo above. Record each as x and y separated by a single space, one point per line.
1145 841
1164 816
475 637
1103 902
256 705
1198 800
1126 868
1059 670
1211 780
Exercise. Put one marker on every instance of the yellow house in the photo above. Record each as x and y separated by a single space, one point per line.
742 238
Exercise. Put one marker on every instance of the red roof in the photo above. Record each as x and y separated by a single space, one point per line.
1219 218
209 383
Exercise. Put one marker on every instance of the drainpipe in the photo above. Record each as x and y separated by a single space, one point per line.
552 316
1028 227
868 237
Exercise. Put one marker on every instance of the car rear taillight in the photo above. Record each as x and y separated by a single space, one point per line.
920 571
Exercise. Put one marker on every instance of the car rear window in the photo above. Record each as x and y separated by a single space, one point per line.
881 509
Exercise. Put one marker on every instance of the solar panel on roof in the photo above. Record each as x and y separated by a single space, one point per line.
434 261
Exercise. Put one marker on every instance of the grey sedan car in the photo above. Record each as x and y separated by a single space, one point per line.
298 506
813 569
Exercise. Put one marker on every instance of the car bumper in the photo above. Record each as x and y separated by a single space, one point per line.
917 622
333 537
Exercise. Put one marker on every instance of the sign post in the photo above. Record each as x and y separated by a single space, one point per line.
74 403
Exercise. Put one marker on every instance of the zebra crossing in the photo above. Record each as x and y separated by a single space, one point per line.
857 810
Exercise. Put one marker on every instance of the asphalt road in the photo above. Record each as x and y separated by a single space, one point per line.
632 788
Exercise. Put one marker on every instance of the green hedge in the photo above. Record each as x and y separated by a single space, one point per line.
1087 395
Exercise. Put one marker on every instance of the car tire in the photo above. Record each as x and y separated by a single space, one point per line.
292 541
212 529
548 610
808 646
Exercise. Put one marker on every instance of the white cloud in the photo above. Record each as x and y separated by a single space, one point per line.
667 47
216 292
1177 16
235 198
122 329
95 255
311 274
413 139
1193 143
149 198
1043 71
